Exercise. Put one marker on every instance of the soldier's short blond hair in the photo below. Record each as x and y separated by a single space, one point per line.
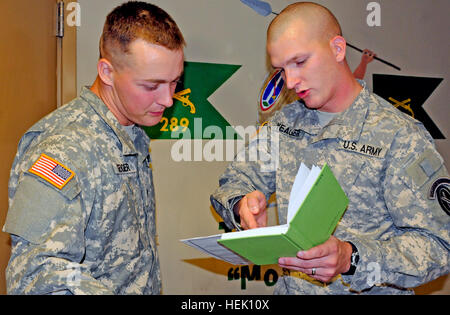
138 20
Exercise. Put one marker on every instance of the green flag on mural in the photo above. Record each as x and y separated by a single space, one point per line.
192 113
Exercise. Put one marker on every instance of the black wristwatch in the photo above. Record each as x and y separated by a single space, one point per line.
353 260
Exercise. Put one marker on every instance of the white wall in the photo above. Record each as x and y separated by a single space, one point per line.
226 31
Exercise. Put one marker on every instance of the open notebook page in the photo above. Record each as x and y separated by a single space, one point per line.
302 185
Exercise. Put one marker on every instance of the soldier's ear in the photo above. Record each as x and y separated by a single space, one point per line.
338 45
105 71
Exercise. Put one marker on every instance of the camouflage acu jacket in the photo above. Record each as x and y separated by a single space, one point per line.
86 223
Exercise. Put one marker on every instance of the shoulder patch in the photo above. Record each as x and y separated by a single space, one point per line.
424 167
52 171
440 189
271 91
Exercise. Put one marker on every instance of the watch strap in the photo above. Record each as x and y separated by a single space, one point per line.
354 259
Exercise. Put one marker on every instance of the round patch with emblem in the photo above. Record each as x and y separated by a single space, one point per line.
271 91
440 190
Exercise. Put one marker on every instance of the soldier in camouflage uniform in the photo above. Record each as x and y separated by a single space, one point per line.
395 233
81 198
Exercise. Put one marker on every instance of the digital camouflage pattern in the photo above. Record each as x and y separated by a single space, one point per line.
386 163
95 235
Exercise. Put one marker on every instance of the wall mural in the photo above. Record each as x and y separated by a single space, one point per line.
199 81
408 94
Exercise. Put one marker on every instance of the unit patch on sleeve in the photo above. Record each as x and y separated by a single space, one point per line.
52 171
271 91
440 190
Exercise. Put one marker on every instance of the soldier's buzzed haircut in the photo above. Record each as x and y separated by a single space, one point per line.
320 22
138 20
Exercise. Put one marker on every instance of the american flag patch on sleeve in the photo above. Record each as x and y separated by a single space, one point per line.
52 171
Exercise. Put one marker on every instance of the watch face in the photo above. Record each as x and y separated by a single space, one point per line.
355 257
353 261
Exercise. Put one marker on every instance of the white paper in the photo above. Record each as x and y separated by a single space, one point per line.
300 195
210 246
300 178
268 230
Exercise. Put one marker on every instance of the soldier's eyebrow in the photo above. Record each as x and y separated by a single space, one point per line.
154 81
295 58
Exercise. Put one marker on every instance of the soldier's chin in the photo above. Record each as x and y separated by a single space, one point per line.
151 120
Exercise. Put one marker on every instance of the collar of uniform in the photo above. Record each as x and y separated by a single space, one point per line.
297 116
103 111
142 143
349 123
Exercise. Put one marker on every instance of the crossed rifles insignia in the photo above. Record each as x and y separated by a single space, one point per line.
183 97
405 105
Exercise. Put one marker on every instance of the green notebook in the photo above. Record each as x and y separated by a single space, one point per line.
316 205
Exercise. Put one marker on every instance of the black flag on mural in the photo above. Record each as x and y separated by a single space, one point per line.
409 94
